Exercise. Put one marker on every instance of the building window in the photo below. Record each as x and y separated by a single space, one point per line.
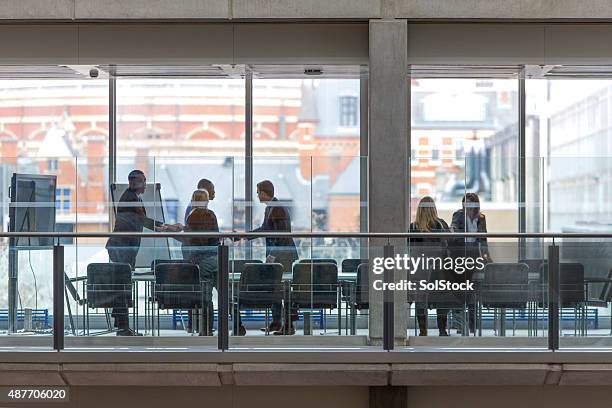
435 154
349 106
62 199
52 165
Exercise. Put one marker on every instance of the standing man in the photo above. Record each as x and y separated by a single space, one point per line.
470 219
278 250
203 184
131 216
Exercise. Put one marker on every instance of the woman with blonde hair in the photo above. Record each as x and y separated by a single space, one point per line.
427 220
200 250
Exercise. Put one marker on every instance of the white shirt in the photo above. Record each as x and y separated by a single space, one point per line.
472 226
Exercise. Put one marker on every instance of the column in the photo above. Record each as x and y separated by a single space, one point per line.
389 137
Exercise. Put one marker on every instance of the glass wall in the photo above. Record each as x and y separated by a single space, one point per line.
464 138
58 129
306 140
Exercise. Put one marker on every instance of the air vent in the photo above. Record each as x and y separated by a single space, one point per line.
465 71
176 71
38 72
580 71
303 71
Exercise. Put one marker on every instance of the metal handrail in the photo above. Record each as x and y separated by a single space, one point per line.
253 235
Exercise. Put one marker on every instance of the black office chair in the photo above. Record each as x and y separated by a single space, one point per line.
571 289
178 286
260 287
109 285
348 286
350 265
236 267
315 286
505 286
318 260
157 262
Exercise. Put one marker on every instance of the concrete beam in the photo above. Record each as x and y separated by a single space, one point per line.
323 9
586 374
201 375
491 44
301 43
156 44
30 374
38 44
37 10
150 9
501 9
310 374
262 10
469 374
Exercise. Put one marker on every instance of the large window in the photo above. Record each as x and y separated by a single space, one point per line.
179 131
56 128
464 138
568 124
306 140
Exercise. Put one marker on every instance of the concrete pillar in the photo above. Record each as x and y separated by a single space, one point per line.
388 156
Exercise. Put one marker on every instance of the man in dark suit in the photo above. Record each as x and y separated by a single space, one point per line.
203 184
278 250
131 216
469 219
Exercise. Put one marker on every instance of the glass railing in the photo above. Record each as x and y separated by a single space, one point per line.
404 292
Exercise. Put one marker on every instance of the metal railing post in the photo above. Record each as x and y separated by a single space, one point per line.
553 297
388 312
58 297
223 298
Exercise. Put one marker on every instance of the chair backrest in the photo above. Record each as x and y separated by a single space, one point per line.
177 286
260 284
109 285
315 285
318 260
157 262
362 287
351 264
237 265
505 285
571 283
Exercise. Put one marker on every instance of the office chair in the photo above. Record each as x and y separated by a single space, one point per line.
109 285
348 287
504 286
315 286
571 291
178 286
260 287
318 260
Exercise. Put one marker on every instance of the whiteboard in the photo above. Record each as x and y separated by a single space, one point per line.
150 248
32 209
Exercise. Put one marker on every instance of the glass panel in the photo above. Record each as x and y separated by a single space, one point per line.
320 298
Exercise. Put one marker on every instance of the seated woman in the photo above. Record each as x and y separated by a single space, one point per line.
427 220
199 250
